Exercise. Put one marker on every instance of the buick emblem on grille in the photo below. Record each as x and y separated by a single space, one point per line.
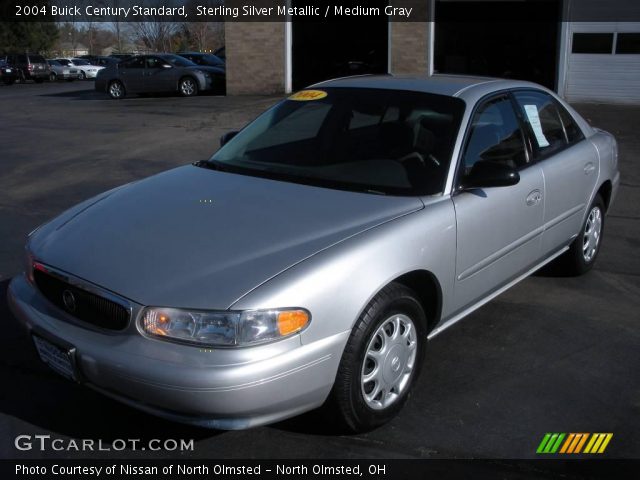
69 300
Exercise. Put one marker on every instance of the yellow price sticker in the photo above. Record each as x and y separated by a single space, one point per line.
308 95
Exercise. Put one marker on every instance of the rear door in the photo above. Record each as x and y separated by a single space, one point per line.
499 229
132 72
569 163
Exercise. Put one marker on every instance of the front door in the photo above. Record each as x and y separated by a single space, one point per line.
160 76
499 228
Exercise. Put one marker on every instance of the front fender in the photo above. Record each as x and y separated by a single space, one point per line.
336 284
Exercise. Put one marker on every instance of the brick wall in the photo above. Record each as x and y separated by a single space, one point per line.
409 47
255 57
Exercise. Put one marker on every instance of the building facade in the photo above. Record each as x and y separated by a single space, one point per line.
586 50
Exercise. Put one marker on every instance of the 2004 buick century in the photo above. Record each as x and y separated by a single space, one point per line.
316 252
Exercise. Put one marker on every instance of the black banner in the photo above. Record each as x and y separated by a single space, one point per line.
491 11
309 468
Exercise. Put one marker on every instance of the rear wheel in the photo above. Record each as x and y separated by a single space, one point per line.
584 250
382 359
188 87
52 77
116 90
38 80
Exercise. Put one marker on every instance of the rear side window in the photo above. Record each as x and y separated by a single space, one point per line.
495 136
549 124
137 62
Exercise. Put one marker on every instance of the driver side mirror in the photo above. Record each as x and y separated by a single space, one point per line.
224 139
486 174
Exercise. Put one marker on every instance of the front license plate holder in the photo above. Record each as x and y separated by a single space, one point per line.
61 359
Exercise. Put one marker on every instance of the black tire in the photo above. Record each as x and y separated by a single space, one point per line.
373 334
38 80
52 77
116 90
83 76
582 253
188 87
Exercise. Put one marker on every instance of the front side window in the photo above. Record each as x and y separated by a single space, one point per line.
495 136
542 115
374 140
155 62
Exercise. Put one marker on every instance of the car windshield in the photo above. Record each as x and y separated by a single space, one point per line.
208 60
178 61
79 61
373 140
64 61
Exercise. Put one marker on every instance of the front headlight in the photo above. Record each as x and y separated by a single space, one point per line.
222 329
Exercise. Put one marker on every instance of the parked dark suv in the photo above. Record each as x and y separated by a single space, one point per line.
30 66
8 73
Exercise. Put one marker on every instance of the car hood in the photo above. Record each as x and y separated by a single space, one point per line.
198 238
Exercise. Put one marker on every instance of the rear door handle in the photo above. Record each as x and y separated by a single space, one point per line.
589 168
534 198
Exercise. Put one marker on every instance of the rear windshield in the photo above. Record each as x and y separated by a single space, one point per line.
37 59
373 140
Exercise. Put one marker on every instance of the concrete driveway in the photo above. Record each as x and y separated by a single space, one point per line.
551 355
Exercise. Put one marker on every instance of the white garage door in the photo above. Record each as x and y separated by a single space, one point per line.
603 62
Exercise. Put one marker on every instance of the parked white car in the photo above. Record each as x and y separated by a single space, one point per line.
86 69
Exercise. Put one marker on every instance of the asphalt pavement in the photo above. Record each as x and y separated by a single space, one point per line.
552 354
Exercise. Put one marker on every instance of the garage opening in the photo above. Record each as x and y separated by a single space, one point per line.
329 49
509 39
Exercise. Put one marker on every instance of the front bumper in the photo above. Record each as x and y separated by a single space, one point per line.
218 388
91 74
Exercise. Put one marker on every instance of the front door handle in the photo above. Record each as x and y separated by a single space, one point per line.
534 198
589 168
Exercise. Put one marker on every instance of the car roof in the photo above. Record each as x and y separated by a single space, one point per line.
449 85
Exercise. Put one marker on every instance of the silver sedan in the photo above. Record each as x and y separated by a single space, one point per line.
313 256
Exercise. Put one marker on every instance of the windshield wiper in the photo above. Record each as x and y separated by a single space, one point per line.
209 164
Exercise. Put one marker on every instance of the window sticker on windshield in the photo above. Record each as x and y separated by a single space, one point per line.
534 121
307 95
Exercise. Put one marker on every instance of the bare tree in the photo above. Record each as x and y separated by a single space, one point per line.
155 34
203 35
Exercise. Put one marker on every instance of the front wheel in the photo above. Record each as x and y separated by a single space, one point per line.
116 90
188 87
52 77
83 76
382 359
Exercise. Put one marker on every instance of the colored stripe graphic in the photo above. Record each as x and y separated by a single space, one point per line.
598 442
574 443
550 443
